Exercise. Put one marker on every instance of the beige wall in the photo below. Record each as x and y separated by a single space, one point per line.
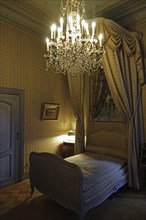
22 66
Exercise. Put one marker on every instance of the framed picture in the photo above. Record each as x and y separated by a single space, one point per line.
50 111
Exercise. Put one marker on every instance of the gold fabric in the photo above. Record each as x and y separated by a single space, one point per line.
98 92
76 88
125 75
123 68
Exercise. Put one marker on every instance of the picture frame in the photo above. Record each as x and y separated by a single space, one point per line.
50 111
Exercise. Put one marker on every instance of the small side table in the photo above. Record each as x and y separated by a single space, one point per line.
143 165
68 149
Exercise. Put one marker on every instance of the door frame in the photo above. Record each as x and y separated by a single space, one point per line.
20 93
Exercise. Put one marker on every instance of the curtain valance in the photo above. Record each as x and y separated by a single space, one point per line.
117 38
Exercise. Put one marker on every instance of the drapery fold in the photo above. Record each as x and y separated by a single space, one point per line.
76 88
124 72
123 68
98 92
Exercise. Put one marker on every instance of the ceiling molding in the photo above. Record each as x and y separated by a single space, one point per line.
121 9
23 21
37 15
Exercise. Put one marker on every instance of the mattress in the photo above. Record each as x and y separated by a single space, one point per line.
102 175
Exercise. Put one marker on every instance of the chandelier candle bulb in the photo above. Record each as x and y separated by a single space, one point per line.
61 24
83 26
93 28
59 32
53 31
70 22
87 30
100 39
78 22
47 41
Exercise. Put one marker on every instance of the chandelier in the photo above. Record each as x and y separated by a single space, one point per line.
73 46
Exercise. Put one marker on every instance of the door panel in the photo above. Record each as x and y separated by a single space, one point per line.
6 168
5 118
9 145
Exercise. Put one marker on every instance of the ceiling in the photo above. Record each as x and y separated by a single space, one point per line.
38 15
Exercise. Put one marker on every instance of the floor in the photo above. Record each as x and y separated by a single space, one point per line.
16 204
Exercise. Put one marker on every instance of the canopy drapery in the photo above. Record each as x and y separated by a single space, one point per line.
98 92
76 89
123 67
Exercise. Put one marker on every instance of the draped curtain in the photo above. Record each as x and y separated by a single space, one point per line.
123 68
98 92
76 88
124 72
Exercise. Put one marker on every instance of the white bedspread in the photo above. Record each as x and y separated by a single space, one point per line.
99 170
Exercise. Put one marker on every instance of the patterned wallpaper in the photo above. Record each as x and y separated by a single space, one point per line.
22 66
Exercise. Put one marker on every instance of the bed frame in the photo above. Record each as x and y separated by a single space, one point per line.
62 181
109 140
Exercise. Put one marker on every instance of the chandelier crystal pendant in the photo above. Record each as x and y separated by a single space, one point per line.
72 47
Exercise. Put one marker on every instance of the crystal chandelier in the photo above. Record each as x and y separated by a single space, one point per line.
72 47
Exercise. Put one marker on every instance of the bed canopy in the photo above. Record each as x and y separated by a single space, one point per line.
124 72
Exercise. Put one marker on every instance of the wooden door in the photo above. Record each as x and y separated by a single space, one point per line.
9 139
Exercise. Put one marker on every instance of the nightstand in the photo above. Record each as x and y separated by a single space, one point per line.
68 149
143 165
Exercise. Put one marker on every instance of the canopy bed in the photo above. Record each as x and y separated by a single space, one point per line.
124 71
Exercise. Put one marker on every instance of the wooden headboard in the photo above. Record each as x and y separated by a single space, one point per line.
108 141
